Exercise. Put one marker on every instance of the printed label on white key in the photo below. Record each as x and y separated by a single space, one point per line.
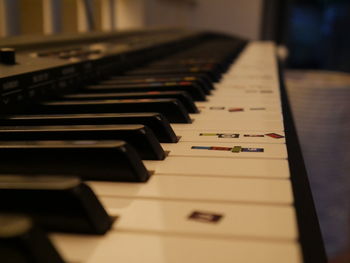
229 150
232 136
232 108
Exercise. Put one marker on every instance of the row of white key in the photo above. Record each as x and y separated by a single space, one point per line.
248 192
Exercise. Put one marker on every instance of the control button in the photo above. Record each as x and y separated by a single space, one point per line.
7 56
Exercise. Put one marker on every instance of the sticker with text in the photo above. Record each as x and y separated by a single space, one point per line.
236 135
271 135
253 150
253 135
221 135
231 109
235 149
205 217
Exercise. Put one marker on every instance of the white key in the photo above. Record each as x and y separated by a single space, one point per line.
150 247
209 189
220 167
238 125
224 115
217 220
245 101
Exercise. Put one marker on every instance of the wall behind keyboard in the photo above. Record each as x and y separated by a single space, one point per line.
240 17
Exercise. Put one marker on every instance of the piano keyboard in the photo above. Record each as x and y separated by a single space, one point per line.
226 189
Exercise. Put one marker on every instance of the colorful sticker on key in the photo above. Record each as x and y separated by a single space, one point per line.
235 109
205 217
274 135
216 108
221 135
253 135
228 135
219 148
236 149
255 150
201 147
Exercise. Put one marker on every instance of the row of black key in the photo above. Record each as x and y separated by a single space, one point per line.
100 133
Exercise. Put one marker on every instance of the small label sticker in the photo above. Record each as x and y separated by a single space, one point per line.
235 109
216 108
256 150
219 148
253 135
205 217
221 135
274 135
228 135
236 149
201 147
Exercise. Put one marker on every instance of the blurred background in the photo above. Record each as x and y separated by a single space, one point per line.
314 45
238 16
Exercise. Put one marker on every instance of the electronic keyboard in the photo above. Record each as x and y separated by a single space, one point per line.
150 146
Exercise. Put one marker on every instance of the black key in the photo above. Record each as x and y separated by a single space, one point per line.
139 136
60 204
21 241
155 121
195 91
172 109
90 160
182 96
